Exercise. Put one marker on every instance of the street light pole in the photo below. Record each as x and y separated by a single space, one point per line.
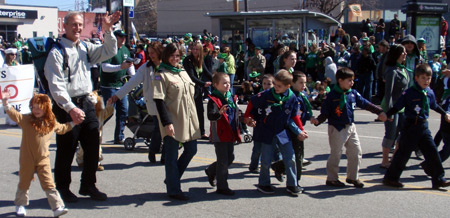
108 6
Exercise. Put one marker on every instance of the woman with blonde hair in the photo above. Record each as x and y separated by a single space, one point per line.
201 76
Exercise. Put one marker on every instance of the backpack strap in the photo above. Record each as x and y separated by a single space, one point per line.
61 49
87 51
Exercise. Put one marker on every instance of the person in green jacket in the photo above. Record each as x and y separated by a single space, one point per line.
231 63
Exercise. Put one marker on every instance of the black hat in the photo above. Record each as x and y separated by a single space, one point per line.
120 33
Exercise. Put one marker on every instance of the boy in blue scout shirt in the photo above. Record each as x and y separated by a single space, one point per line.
338 107
274 109
417 101
305 113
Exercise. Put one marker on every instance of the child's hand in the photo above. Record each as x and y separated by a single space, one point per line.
382 117
170 131
447 118
5 95
223 109
112 100
314 121
249 121
302 136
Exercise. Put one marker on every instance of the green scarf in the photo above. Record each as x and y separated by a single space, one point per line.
307 104
170 67
343 93
227 97
199 71
280 100
425 101
291 70
404 69
408 60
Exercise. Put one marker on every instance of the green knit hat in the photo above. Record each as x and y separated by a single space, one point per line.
222 56
254 74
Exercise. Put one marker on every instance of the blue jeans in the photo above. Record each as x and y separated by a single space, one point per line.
287 151
121 107
256 154
365 85
392 130
175 166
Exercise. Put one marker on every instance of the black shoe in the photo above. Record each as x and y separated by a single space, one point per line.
254 171
392 183
151 157
301 189
210 178
119 142
279 176
357 183
441 184
425 168
265 189
205 137
94 193
67 196
336 183
227 191
180 197
293 190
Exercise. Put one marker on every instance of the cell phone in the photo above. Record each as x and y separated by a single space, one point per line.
129 60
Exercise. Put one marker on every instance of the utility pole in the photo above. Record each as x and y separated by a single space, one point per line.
108 6
246 5
125 17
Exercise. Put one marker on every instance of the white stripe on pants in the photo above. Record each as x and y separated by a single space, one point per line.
347 137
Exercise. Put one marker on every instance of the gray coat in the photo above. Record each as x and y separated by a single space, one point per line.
396 84
143 75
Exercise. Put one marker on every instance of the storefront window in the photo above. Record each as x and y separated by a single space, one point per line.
260 31
287 31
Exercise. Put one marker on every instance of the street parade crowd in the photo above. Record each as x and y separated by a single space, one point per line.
280 86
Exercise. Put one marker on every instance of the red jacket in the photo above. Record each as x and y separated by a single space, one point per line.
143 60
221 130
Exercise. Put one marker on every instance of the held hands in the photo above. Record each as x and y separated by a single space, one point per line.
314 121
207 84
110 20
112 100
249 121
302 136
170 131
77 115
382 117
5 95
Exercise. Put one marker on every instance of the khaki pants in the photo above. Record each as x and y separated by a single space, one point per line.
54 199
348 138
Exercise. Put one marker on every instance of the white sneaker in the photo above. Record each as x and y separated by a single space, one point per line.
60 211
20 211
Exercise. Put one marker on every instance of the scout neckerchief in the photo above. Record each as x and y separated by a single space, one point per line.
343 93
227 97
425 102
170 67
291 70
307 103
278 99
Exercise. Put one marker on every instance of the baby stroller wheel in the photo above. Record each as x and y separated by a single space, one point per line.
248 138
129 144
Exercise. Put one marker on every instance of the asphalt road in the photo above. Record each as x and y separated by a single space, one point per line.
135 187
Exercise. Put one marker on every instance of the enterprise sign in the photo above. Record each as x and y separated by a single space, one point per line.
18 14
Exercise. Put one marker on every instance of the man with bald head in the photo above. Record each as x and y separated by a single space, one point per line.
69 87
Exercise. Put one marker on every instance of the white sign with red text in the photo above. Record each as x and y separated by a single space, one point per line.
19 80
